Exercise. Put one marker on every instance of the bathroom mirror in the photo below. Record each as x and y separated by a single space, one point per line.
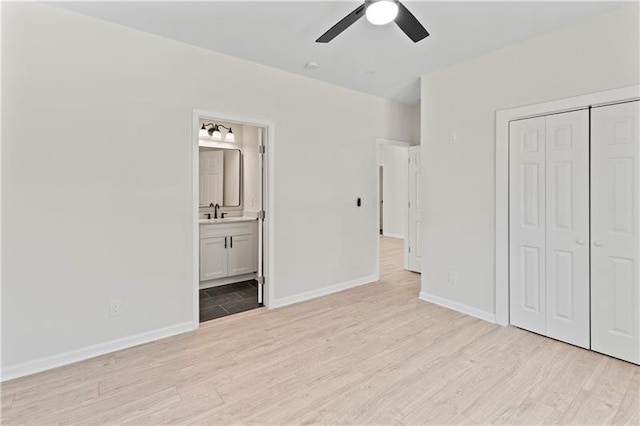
220 176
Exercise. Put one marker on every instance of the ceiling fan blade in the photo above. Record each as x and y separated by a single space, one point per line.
410 25
342 25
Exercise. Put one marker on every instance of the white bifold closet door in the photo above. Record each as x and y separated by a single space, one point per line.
549 226
615 293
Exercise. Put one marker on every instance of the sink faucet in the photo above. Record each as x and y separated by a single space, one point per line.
215 210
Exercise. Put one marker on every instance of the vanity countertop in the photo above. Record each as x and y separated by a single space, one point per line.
226 220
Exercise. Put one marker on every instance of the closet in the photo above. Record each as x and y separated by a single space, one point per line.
573 228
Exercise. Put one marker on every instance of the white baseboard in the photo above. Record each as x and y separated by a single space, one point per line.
302 297
392 235
468 310
47 363
227 280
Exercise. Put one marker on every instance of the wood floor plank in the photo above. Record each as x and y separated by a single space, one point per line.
629 411
374 354
7 401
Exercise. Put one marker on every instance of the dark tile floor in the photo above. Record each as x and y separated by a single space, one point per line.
216 302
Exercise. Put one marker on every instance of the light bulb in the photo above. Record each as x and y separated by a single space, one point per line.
382 12
230 137
216 135
203 133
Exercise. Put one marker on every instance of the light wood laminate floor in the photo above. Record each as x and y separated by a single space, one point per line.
373 354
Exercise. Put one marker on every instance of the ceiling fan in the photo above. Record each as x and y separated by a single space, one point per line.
380 12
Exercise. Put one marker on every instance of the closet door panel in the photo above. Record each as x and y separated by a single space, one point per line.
527 224
567 232
615 293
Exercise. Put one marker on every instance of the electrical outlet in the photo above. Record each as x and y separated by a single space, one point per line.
452 277
115 307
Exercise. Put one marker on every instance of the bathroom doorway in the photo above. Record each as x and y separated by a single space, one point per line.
231 215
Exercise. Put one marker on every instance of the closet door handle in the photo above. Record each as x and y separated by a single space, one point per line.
225 242
597 243
580 242
231 238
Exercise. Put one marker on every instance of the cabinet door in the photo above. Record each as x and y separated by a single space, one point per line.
213 258
615 292
527 227
242 255
567 248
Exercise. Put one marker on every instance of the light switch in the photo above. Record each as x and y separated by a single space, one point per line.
453 137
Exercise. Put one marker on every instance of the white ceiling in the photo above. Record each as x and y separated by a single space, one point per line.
377 60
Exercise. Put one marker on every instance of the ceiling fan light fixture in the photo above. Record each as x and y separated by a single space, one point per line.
379 12
382 12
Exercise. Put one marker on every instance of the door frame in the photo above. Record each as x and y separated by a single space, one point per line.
419 185
503 117
403 144
268 202
381 201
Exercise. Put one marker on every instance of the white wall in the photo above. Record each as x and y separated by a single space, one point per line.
415 116
89 216
458 186
250 170
232 193
394 161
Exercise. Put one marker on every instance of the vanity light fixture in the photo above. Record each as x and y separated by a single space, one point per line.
215 133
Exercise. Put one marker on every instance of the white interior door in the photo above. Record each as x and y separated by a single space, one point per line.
211 177
414 234
567 220
615 293
527 227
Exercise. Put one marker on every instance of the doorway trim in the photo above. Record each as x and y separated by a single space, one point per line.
403 144
503 117
268 198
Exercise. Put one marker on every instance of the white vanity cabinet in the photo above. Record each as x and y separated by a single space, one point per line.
228 248
213 258
241 258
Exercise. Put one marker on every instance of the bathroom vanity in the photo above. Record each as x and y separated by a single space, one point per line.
228 250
